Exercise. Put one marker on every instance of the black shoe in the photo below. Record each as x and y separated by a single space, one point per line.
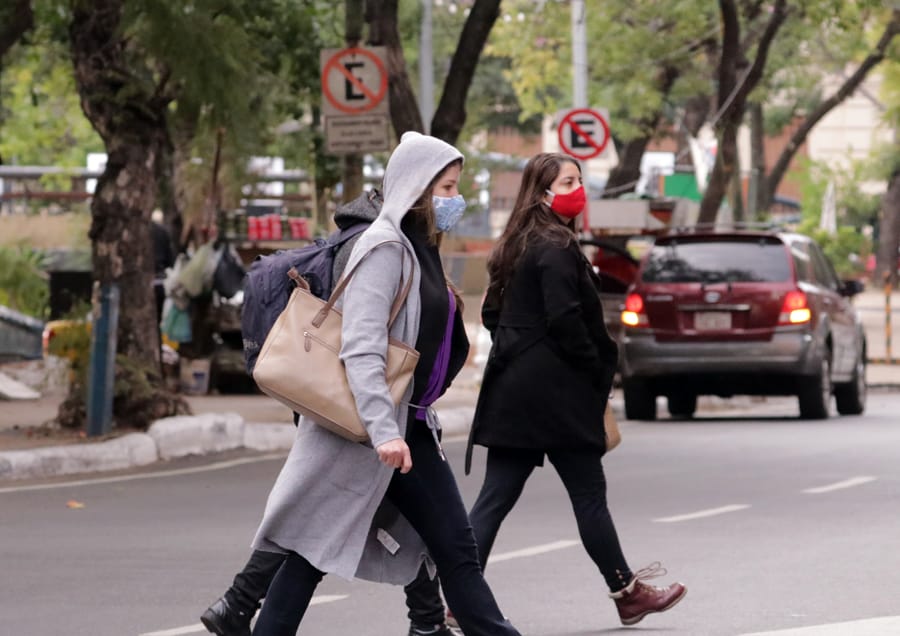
224 620
418 629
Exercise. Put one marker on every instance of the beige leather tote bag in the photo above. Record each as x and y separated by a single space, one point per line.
299 364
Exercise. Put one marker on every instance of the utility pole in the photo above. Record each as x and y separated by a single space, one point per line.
353 164
426 68
580 86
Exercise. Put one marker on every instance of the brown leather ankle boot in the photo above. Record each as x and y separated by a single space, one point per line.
638 599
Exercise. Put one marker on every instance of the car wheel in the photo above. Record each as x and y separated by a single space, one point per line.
816 394
851 397
640 402
682 406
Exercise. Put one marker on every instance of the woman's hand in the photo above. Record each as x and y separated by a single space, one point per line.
395 454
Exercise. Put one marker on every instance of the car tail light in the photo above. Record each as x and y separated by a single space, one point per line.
794 309
634 315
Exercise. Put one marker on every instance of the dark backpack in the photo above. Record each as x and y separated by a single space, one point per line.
267 287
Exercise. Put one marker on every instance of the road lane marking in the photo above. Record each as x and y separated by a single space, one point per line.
178 631
701 514
162 473
533 551
198 628
867 627
847 483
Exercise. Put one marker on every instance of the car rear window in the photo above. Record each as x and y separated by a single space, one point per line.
739 260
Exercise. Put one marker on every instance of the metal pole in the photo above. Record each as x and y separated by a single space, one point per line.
352 180
102 369
426 68
580 87
887 318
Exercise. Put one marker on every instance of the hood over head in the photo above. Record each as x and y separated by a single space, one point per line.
414 164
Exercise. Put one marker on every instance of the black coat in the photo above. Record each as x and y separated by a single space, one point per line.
552 394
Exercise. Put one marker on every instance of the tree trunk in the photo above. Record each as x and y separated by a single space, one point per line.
451 111
738 212
383 31
756 197
889 235
734 86
133 128
847 88
16 19
720 178
623 178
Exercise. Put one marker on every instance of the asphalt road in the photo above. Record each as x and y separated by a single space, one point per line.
772 523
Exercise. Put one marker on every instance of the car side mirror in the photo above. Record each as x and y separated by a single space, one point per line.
851 288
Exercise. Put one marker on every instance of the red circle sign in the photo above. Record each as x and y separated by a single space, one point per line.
337 64
588 133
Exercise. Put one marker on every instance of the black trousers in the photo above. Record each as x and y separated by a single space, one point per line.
423 595
429 499
582 475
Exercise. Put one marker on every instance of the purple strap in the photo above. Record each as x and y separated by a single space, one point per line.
441 363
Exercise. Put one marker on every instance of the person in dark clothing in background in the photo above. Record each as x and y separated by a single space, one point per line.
231 614
163 258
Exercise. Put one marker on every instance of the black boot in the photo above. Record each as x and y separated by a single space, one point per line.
224 620
416 629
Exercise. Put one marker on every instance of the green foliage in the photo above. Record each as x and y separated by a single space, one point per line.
23 284
849 246
41 122
629 44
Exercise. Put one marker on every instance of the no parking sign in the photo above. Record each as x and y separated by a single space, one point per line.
583 133
354 99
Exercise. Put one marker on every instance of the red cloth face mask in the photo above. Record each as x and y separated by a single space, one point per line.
570 204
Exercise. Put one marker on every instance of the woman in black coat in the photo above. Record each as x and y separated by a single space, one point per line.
548 379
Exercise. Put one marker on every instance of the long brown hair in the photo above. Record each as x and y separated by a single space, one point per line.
530 218
422 211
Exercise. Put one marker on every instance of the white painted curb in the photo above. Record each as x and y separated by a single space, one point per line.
134 449
197 434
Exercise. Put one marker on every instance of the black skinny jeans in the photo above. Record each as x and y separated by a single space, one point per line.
429 499
581 472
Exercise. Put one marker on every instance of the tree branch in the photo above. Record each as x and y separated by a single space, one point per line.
846 89
779 13
15 20
451 111
731 38
381 16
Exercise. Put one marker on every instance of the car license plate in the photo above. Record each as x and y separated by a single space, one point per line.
712 320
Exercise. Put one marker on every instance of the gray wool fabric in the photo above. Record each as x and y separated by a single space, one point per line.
328 503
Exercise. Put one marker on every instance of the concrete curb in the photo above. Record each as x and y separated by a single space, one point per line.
172 438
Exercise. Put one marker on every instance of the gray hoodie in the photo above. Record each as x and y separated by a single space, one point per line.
328 503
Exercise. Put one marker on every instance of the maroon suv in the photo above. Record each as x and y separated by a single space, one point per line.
741 312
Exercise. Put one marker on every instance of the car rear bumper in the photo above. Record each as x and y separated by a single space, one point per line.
787 352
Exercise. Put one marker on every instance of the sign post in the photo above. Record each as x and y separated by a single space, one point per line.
355 104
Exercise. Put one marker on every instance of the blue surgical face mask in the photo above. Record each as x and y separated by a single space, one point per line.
448 211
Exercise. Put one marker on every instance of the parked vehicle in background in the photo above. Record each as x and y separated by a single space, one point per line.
617 269
741 312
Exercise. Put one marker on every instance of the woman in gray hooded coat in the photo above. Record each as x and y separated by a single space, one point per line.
378 511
